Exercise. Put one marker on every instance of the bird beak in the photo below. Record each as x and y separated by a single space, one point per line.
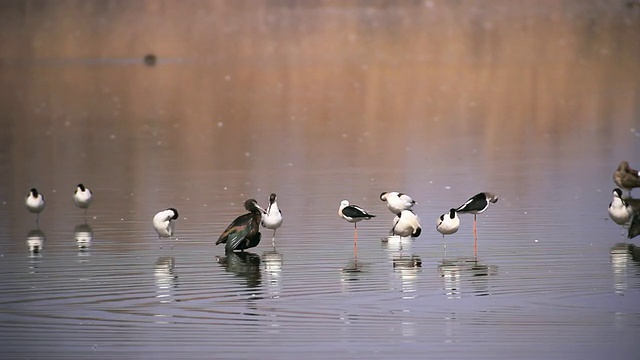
261 209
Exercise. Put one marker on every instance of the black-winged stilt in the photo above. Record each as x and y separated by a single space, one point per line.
477 205
353 214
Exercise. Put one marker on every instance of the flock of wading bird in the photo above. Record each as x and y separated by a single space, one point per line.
625 210
244 232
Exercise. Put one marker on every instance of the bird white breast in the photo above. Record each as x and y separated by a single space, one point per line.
448 226
619 213
82 198
34 204
273 218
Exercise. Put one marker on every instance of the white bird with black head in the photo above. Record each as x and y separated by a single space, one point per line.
35 202
272 217
163 222
82 197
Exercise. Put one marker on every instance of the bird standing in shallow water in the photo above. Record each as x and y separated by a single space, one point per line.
626 178
82 197
619 209
272 218
477 205
162 222
35 203
396 201
405 224
448 224
353 214
244 232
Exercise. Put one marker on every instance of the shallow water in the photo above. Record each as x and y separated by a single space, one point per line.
318 103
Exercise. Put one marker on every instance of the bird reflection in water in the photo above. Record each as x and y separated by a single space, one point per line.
622 256
35 245
459 272
84 235
243 264
407 268
35 242
166 279
272 264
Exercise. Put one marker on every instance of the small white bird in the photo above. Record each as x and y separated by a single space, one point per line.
82 197
396 201
405 224
35 202
163 224
620 210
272 218
353 214
448 224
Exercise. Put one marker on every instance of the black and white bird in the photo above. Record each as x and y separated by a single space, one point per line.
163 222
406 224
272 217
397 201
353 214
448 223
620 210
244 232
477 205
82 197
35 202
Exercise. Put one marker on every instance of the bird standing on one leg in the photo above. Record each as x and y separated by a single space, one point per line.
353 214
272 218
82 197
477 205
35 203
162 222
244 232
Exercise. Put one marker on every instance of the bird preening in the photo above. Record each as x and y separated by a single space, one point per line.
406 224
397 201
243 232
163 222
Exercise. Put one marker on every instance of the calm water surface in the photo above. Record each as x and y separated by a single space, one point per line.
318 104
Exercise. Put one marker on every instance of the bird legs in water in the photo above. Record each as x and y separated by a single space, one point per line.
475 238
355 241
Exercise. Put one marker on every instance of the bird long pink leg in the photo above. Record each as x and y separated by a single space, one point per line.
475 238
355 241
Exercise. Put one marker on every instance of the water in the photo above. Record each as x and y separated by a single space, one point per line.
318 104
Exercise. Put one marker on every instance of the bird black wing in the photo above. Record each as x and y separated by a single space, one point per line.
354 212
477 203
239 227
